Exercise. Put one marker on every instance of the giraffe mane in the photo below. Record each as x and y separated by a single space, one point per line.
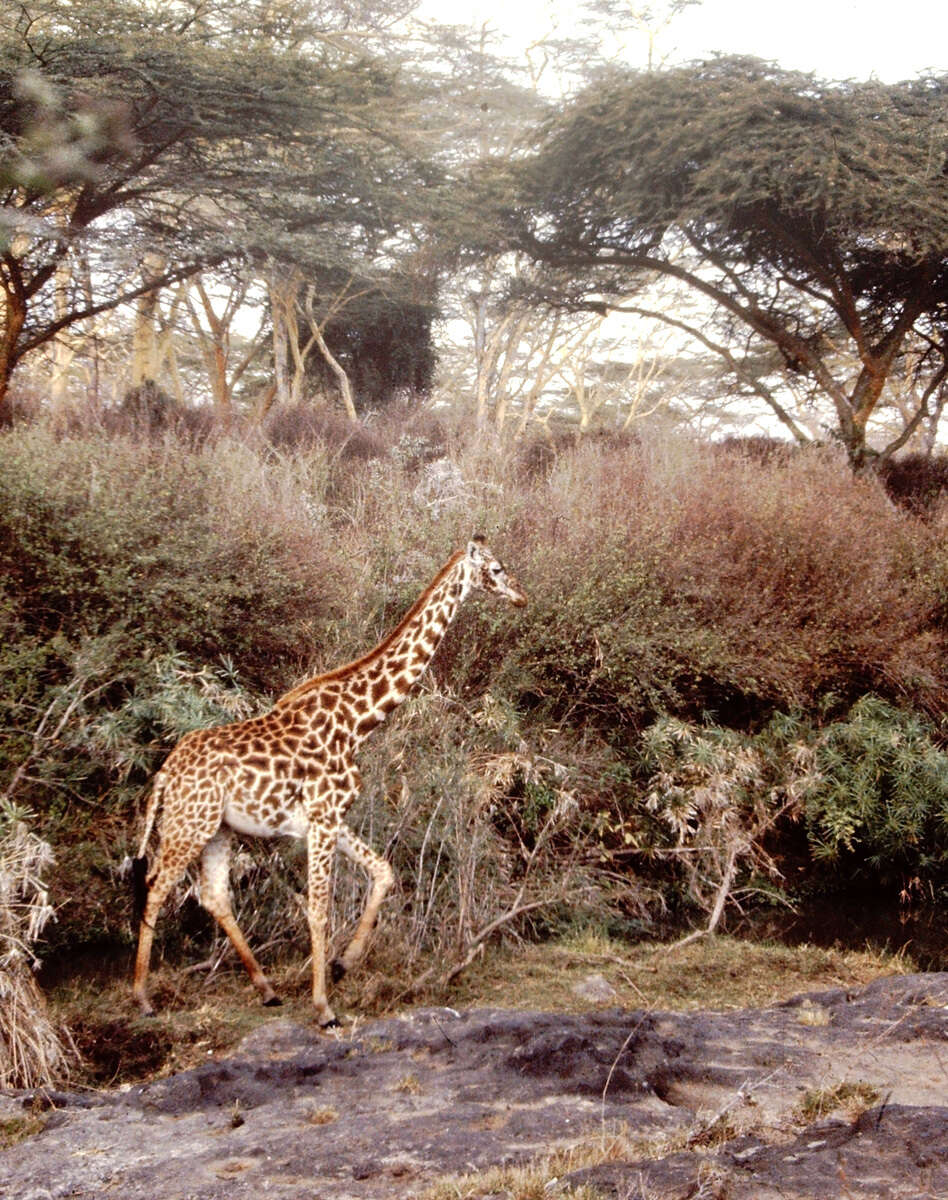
350 668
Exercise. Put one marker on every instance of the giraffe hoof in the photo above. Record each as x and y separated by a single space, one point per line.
337 968
273 1002
332 1023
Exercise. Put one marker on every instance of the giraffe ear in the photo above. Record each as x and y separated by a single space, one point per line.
476 547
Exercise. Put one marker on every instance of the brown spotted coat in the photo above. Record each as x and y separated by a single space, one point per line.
292 772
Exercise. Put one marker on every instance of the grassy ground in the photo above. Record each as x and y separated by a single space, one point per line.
203 1013
711 973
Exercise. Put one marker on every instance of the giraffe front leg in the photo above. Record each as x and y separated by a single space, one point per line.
215 897
321 846
382 876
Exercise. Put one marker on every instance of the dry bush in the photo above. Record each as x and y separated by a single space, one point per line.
484 830
303 426
720 798
20 405
805 574
32 1050
918 482
668 578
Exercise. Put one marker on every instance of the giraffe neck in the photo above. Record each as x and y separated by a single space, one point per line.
387 677
360 695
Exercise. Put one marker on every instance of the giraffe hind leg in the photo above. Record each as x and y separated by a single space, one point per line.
215 897
381 876
168 870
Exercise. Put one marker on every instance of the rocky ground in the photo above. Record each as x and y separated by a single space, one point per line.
718 1105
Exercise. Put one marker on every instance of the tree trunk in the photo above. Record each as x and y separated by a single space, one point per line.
62 352
215 346
145 353
14 317
345 387
283 290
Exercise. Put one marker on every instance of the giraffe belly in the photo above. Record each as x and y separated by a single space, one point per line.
271 821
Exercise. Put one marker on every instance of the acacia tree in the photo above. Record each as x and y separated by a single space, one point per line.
217 144
811 218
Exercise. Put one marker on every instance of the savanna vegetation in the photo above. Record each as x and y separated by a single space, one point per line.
255 389
725 693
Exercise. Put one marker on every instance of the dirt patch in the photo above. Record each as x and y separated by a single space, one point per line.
112 1050
382 1110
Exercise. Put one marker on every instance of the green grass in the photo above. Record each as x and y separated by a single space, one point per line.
17 1129
711 973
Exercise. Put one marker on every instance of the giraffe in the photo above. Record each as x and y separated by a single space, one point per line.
292 772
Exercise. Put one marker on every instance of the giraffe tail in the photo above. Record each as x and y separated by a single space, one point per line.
140 864
139 888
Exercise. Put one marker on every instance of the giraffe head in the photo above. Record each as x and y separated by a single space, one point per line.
490 575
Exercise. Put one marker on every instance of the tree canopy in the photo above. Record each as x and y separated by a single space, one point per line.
808 216
227 140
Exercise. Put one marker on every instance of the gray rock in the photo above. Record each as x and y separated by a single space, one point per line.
382 1112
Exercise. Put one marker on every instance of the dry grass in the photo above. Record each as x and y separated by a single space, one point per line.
853 1098
323 1115
713 973
539 1179
33 1050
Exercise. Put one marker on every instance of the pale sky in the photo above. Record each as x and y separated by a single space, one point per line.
836 39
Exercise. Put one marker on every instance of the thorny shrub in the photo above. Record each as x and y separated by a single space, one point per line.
870 787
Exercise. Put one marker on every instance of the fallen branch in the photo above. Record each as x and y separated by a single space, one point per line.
474 946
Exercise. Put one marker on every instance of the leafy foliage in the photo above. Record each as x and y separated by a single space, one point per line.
315 174
154 585
385 345
880 794
871 788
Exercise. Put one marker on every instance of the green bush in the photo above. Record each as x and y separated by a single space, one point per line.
879 799
870 788
196 552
